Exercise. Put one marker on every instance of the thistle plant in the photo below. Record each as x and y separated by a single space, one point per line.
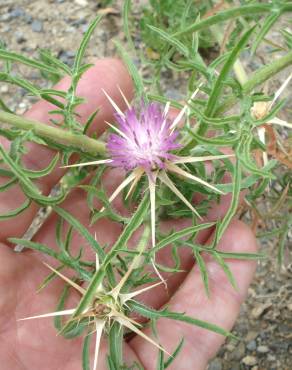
141 249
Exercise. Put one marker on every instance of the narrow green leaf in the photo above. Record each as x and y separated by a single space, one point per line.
203 270
57 63
266 26
225 255
35 246
160 361
15 212
171 40
151 313
138 82
126 26
180 234
61 94
49 278
243 10
242 256
28 186
236 177
4 107
282 242
8 184
86 352
272 113
223 140
37 174
226 269
174 354
216 91
60 307
52 253
82 230
215 121
14 57
116 345
84 44
90 121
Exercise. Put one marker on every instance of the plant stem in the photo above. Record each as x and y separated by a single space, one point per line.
257 78
55 134
260 76
225 15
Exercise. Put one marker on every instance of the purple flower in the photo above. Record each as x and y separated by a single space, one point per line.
143 144
144 139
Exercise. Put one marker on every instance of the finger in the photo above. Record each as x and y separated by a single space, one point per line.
221 308
107 74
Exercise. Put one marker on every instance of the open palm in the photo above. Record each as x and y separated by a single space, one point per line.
34 345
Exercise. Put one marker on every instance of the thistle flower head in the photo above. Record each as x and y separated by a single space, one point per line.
145 139
143 143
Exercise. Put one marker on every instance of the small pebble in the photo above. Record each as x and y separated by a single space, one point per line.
249 360
259 310
28 18
215 365
5 17
252 345
4 89
81 2
37 25
263 349
271 358
17 12
19 36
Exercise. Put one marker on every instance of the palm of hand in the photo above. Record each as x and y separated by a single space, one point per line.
34 345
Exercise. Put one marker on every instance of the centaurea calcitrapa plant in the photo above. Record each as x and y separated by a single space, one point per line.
217 142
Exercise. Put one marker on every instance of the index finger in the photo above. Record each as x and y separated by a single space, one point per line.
106 74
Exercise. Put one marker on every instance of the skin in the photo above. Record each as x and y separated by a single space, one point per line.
33 344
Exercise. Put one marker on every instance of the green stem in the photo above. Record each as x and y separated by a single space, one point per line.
260 76
55 134
245 10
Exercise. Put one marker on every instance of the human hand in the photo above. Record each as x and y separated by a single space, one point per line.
33 345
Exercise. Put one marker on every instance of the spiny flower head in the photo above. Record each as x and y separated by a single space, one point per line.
145 139
143 144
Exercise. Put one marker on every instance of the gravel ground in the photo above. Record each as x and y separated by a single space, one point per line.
265 321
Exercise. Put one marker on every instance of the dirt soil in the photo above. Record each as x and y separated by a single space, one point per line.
264 324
